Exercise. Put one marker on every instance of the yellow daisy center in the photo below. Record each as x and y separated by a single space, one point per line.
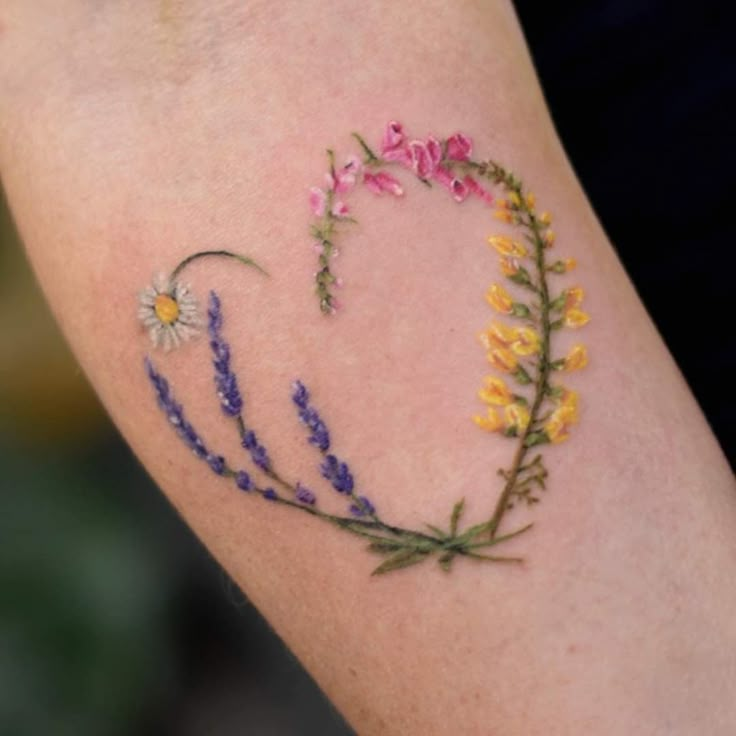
166 308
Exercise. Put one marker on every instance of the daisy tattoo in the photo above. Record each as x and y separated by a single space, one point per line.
522 400
168 310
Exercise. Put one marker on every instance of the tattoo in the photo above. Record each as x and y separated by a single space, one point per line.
533 410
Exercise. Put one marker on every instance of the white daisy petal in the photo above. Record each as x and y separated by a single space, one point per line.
162 283
155 334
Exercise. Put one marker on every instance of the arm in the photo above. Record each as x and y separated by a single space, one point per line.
137 139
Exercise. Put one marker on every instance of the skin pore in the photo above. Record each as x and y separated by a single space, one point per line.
132 137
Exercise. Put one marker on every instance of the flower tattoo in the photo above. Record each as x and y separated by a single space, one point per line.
521 398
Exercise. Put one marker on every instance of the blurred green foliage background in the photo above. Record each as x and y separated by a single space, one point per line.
114 620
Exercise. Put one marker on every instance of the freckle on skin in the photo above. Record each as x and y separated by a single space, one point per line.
352 671
571 649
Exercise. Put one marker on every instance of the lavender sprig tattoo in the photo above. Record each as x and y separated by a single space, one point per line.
401 546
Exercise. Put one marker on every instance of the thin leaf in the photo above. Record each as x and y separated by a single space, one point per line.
383 547
439 532
456 514
403 558
366 149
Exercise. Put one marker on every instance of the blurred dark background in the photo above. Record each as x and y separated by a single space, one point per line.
114 620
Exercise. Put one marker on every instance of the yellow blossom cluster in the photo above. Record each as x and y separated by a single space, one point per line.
515 418
572 314
520 351
505 345
557 424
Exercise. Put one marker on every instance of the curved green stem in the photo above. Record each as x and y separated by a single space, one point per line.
222 253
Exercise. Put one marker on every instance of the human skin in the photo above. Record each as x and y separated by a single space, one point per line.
131 136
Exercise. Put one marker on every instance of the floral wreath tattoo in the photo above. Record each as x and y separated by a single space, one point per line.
532 409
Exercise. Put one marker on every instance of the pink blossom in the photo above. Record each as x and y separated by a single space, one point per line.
393 137
422 159
459 147
444 176
459 190
434 148
393 145
345 177
399 155
340 209
317 201
382 182
477 189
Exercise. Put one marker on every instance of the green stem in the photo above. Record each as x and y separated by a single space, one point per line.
370 158
223 253
530 221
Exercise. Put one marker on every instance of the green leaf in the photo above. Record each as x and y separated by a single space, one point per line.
557 324
371 157
556 392
557 267
521 277
383 547
521 375
520 310
469 534
557 304
557 365
439 532
402 558
522 400
456 514
536 438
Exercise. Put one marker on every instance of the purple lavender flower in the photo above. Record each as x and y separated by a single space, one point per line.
304 495
270 495
257 451
362 507
243 481
319 435
338 474
225 381
300 395
217 463
175 414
